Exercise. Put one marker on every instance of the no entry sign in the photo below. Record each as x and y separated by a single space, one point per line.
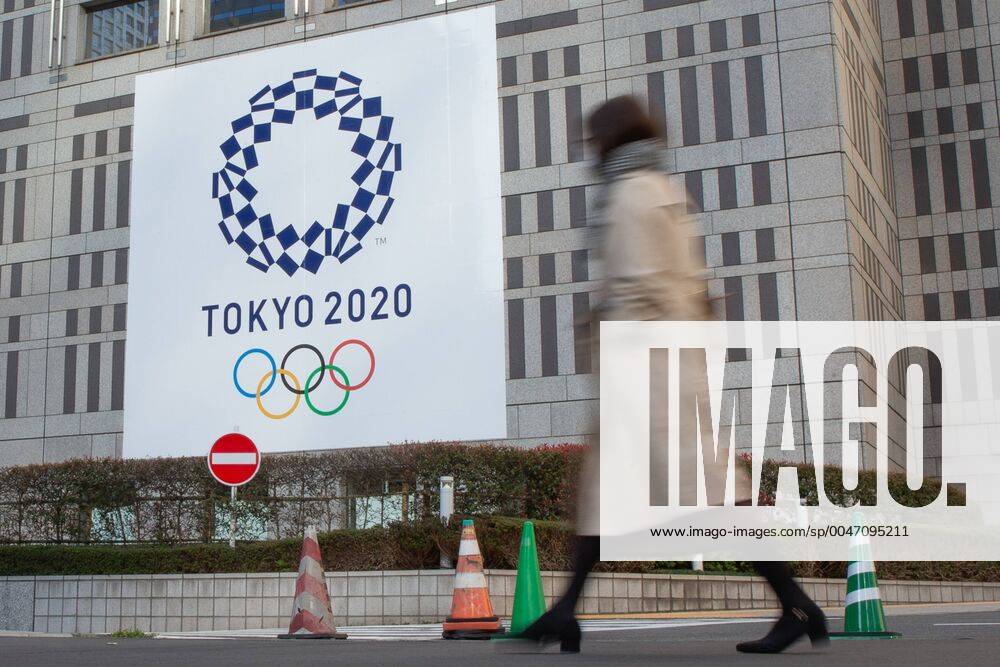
233 459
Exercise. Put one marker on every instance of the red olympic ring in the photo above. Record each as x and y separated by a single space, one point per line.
371 355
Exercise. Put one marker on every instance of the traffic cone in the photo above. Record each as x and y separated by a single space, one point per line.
863 614
472 614
529 600
312 617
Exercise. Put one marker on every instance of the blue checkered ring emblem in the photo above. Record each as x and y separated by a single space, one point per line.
266 241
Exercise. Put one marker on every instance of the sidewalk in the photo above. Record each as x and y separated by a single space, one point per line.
596 622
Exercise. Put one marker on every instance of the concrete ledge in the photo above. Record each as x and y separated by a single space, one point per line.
199 602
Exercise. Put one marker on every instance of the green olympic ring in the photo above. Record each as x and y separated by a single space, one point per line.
347 394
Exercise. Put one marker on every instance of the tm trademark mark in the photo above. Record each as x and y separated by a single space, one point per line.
380 240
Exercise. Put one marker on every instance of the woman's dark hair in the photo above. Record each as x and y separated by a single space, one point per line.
620 121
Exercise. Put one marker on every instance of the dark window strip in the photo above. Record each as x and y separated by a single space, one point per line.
549 336
921 185
536 23
117 374
980 173
101 106
756 107
767 287
650 5
14 123
581 332
949 177
515 337
987 249
93 377
69 380
10 397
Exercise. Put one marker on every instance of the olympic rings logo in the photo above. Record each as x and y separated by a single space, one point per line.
325 367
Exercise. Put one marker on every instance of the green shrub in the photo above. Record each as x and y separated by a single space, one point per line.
159 515
412 546
175 500
130 634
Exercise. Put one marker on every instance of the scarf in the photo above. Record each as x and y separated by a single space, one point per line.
633 156
645 154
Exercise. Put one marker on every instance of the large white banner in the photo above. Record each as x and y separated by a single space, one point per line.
316 244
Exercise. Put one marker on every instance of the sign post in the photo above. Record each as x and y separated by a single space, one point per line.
447 508
232 517
233 460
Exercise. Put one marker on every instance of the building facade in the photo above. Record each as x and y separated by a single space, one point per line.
844 153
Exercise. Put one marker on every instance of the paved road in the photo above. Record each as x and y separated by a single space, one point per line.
942 635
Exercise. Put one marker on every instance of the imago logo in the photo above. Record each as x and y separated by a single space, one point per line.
724 435
707 440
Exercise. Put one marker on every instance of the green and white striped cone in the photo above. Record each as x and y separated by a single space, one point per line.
863 614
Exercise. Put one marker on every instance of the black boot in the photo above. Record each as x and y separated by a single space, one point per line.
800 616
793 624
555 625
558 623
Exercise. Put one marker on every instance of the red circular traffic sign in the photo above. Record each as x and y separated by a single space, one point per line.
233 459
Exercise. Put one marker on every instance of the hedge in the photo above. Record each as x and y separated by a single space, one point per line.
168 515
172 501
401 546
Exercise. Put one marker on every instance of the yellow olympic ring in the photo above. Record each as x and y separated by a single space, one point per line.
260 387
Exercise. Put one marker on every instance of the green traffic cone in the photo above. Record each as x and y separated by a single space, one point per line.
863 614
529 600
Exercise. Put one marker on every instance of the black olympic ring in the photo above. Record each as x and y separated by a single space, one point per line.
284 360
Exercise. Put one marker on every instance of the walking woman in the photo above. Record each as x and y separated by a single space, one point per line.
643 240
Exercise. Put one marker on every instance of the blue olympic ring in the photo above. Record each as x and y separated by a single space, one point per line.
236 368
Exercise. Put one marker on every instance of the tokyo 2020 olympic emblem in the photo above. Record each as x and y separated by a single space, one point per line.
266 241
299 389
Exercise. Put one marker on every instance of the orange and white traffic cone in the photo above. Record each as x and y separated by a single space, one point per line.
472 614
312 617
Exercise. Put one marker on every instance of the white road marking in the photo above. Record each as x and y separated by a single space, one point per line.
430 632
971 623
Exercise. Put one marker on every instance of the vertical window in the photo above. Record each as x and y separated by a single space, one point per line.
992 298
911 75
963 305
915 123
226 14
932 307
751 30
945 121
939 70
956 251
904 8
117 27
935 16
974 115
765 245
987 249
928 263
731 249
970 66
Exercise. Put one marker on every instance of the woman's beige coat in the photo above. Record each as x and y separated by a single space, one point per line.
650 271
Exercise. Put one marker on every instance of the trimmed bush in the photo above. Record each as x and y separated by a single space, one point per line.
412 546
168 515
175 500
400 546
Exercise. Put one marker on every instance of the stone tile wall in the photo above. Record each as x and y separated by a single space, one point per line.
775 114
174 603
